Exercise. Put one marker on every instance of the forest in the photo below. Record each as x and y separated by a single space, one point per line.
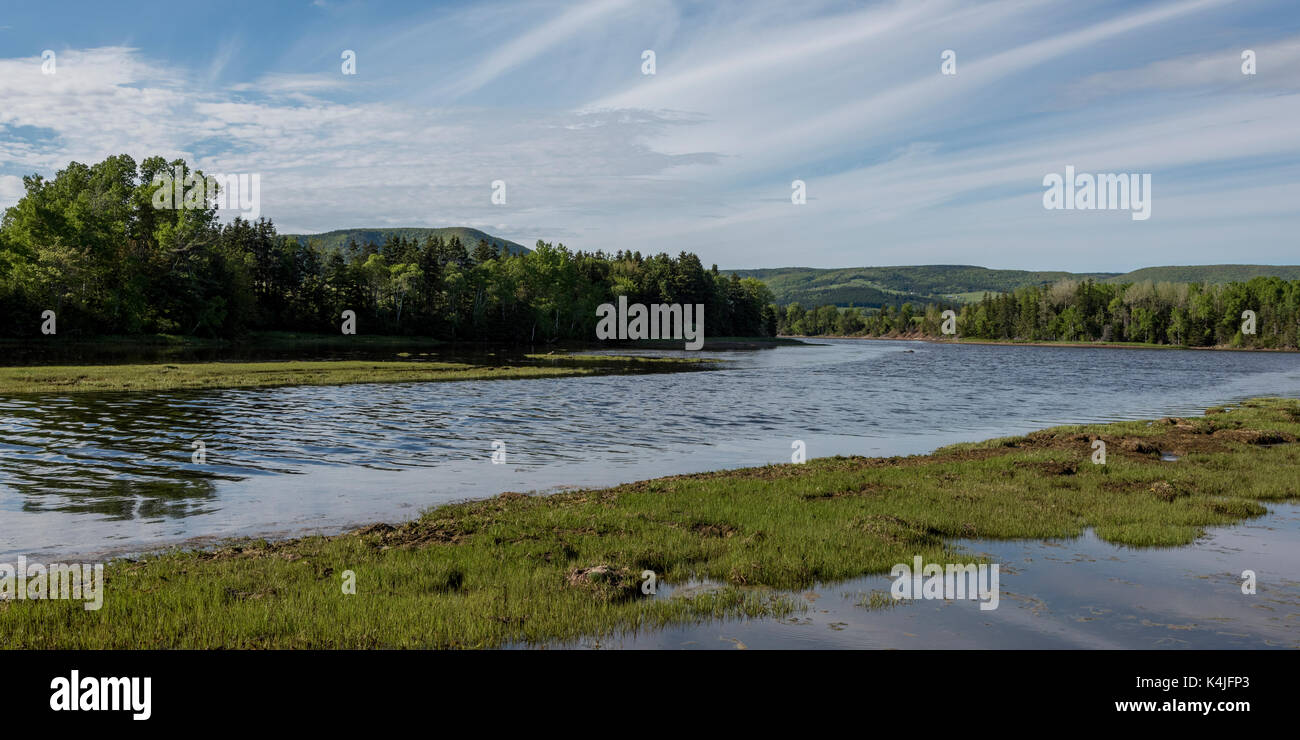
91 246
1180 314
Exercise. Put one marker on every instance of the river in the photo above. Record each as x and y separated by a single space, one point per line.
92 475
86 474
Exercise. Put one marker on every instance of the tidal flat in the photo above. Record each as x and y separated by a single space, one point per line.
221 375
522 569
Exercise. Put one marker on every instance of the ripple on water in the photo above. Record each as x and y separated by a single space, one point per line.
77 471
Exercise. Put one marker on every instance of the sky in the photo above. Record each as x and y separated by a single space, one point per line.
901 164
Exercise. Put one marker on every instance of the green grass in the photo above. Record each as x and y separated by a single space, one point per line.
159 377
972 296
261 339
508 569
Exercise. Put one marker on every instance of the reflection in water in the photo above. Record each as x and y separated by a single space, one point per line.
1079 593
93 473
89 456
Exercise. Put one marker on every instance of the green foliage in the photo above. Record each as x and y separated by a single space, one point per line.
1207 274
835 321
1180 314
873 287
332 241
91 246
1195 315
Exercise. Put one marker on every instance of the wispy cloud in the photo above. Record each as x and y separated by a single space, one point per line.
902 164
532 44
1220 68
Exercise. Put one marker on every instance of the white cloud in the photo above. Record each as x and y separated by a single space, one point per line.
534 43
902 163
1276 69
11 188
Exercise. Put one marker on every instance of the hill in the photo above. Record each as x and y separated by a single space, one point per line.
920 284
877 286
1207 273
337 239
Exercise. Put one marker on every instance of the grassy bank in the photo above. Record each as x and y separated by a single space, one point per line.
158 377
917 337
1115 345
258 346
520 568
299 340
126 343
714 343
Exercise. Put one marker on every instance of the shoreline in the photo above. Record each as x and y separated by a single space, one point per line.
534 569
228 375
1011 343
284 340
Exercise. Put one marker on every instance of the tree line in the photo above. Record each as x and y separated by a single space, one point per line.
90 246
1183 314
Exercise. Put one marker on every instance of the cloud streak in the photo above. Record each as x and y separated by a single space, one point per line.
903 164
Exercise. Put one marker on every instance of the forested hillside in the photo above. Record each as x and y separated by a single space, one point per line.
1207 274
91 246
339 238
1188 314
873 287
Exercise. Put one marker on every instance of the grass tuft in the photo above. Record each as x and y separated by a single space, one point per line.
544 569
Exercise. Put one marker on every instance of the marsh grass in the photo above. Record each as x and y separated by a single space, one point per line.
175 376
507 570
876 599
126 344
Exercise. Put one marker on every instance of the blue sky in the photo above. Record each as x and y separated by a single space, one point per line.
903 165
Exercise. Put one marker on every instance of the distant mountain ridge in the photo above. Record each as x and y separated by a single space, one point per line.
1208 273
868 287
919 284
337 239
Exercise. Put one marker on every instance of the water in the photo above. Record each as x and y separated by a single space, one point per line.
1060 594
91 474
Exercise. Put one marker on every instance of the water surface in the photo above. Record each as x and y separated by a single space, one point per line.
112 472
1079 593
